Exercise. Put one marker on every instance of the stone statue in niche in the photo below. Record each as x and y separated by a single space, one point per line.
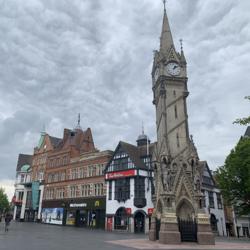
168 178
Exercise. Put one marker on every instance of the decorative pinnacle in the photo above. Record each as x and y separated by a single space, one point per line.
181 42
142 128
164 3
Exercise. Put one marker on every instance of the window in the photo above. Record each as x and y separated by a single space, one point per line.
139 187
73 191
63 176
49 178
110 190
20 196
122 189
82 173
22 178
59 193
211 199
40 175
219 201
29 199
49 194
178 140
85 190
74 173
175 112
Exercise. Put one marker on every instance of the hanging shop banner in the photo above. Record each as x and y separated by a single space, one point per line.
150 211
128 210
120 174
35 194
52 215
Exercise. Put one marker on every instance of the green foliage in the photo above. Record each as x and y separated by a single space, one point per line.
244 120
4 203
234 177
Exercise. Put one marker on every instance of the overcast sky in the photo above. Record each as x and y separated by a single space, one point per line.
94 57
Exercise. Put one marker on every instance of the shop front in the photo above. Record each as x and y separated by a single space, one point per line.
79 212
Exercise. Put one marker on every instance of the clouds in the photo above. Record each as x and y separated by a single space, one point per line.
58 58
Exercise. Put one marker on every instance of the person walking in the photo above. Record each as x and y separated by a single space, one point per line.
8 218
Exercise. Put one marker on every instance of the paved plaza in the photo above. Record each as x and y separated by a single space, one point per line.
32 236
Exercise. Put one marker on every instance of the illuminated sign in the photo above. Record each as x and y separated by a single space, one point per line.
78 205
120 174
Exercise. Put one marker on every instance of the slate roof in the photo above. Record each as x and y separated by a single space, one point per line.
247 133
55 141
23 159
207 173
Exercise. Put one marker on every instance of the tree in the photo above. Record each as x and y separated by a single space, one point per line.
234 177
4 203
245 120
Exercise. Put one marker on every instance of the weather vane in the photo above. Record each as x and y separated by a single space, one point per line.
164 3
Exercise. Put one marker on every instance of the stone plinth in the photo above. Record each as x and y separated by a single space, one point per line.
205 235
169 233
152 231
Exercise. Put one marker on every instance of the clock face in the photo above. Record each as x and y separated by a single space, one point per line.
173 68
156 74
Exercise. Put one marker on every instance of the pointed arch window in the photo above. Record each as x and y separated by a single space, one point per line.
177 140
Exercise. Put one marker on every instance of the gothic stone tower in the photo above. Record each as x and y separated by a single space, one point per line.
178 213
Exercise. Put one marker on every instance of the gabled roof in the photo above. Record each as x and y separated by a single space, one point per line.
135 153
23 159
207 173
247 133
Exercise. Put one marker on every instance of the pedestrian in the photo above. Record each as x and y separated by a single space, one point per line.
8 218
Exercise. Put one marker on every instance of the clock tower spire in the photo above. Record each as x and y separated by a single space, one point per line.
166 40
177 170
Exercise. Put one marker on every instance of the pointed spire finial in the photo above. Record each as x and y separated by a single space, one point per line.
79 119
142 128
166 40
43 132
164 3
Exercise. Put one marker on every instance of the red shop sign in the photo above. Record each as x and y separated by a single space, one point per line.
128 210
120 174
150 211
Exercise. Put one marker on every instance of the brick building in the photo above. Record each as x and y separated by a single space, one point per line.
74 182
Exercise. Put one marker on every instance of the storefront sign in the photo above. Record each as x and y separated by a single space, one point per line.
128 210
120 174
78 205
150 211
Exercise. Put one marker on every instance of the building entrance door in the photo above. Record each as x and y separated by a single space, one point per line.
81 218
188 230
139 221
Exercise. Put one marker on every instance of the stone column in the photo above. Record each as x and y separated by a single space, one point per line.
169 232
131 224
204 232
40 203
14 213
23 205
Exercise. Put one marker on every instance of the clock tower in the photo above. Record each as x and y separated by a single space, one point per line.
179 213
